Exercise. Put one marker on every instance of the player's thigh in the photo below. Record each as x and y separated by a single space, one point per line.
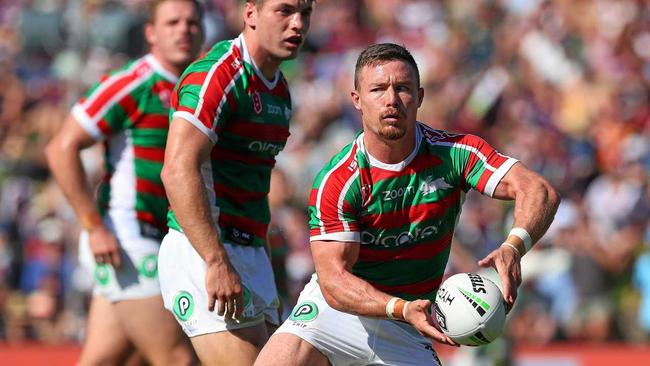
290 350
154 331
235 347
106 342
182 282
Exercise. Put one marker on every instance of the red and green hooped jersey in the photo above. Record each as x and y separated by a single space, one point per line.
246 117
403 214
129 110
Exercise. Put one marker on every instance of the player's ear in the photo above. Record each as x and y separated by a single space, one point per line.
250 14
355 99
420 96
149 34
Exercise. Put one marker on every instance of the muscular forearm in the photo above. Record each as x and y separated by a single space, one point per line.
187 197
535 207
348 293
65 165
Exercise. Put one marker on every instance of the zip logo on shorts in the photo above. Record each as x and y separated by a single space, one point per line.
102 274
305 311
183 305
149 266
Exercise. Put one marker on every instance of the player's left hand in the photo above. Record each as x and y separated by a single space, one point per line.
508 266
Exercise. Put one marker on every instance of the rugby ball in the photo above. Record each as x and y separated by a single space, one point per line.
470 309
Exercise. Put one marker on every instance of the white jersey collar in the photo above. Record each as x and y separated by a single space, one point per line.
160 69
397 167
248 58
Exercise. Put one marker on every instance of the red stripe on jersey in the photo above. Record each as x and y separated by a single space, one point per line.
281 89
421 251
153 121
258 131
243 224
421 163
237 195
220 153
214 93
148 217
412 214
145 186
194 78
104 127
149 153
331 190
162 86
414 288
112 86
130 108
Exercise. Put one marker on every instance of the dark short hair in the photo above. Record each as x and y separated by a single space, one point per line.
380 53
154 4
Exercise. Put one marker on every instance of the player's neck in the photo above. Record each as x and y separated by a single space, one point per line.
389 151
267 64
172 68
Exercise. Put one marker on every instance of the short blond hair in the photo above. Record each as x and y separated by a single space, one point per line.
154 4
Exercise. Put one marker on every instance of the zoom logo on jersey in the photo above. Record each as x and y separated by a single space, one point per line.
305 311
183 305
397 193
400 239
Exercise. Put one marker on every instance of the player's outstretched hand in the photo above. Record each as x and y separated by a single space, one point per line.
224 289
104 246
507 263
417 314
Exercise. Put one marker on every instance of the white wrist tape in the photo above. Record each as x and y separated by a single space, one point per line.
513 247
390 307
522 234
406 305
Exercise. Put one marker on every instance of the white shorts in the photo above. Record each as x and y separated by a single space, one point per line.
347 339
137 276
182 283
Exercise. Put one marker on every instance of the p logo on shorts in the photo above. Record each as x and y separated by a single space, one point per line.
305 312
102 274
149 266
183 305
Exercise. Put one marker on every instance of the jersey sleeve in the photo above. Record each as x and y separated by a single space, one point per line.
205 96
111 104
478 164
334 203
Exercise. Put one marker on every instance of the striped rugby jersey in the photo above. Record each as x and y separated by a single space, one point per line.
403 214
128 110
246 117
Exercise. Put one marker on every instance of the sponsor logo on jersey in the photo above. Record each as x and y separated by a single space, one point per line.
304 312
274 109
183 305
392 194
257 102
287 112
403 238
149 266
102 274
263 146
429 185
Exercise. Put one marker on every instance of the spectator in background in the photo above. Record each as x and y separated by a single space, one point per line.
122 232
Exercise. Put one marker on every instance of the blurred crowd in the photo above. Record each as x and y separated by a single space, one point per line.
563 85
